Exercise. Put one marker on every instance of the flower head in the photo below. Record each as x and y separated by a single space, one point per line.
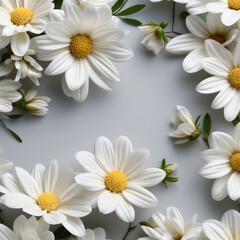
19 17
82 47
186 128
117 177
23 228
227 228
47 193
222 163
171 226
36 105
24 66
8 94
155 37
225 68
193 43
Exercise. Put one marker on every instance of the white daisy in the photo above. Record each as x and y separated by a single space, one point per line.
226 229
117 176
17 17
36 105
186 128
229 9
152 41
222 162
172 226
96 234
23 228
24 66
193 43
8 94
82 47
47 193
85 3
225 68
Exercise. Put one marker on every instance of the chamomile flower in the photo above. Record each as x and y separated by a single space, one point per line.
117 176
222 163
186 128
24 66
229 9
8 94
82 47
96 234
172 226
23 228
193 43
225 68
226 229
19 17
36 105
47 193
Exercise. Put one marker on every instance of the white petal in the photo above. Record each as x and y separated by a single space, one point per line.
230 16
231 110
223 98
139 196
54 218
197 26
219 188
20 44
74 226
233 186
107 202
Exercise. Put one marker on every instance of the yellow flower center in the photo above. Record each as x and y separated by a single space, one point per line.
81 46
234 4
234 77
47 201
235 163
218 38
116 181
21 16
236 239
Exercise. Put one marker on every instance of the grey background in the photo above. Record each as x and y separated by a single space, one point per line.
140 107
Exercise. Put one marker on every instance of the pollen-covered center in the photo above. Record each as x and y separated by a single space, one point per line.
234 77
115 181
236 238
235 162
234 4
218 38
47 201
21 16
81 46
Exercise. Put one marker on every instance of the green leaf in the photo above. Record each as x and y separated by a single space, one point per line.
207 124
131 21
11 132
147 224
197 121
58 4
183 15
117 5
131 10
14 116
61 233
236 121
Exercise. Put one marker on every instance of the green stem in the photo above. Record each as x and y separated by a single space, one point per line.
173 15
130 228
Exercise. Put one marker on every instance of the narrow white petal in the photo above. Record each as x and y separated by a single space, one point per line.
233 186
20 44
107 202
219 188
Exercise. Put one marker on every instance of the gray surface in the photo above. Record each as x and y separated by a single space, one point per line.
140 107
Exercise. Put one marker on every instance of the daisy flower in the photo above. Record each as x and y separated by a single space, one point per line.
36 105
8 94
47 193
222 163
155 38
82 47
23 228
17 17
186 128
96 234
193 43
225 68
226 229
171 226
24 66
229 9
116 175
